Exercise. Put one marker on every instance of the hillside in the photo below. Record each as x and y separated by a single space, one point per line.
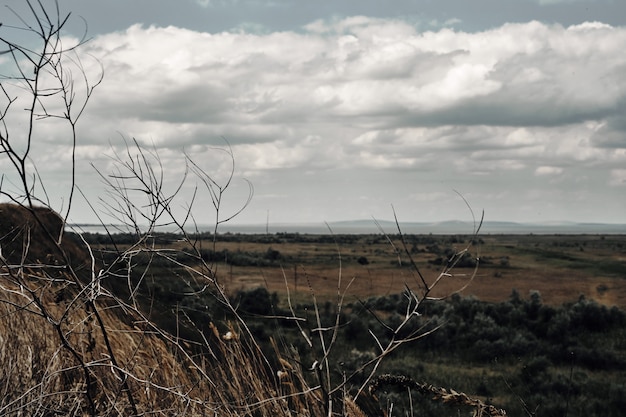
65 350
69 346
54 356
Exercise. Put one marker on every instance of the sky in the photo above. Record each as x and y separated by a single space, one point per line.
343 110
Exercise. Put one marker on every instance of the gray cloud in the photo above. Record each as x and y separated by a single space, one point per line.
373 94
340 117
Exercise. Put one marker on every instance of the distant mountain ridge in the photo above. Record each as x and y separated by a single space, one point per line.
487 227
370 226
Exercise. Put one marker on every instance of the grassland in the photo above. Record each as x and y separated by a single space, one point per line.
550 351
556 351
560 267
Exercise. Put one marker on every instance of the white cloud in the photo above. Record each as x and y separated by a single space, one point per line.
361 95
548 171
360 72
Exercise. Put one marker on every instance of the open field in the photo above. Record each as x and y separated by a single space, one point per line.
560 267
556 357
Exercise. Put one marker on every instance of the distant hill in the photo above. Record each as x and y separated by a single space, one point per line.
496 227
446 227
369 226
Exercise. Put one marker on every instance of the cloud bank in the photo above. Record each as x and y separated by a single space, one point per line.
347 116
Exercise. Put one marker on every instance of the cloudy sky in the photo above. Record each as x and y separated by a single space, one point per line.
337 110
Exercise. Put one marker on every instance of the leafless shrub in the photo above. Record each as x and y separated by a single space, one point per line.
69 346
339 394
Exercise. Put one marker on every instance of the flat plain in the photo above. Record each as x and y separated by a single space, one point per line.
560 267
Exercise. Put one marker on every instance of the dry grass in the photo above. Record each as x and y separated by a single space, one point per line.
68 347
42 377
557 281
438 394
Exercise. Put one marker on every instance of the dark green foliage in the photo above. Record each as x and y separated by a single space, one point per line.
563 357
243 258
482 331
449 255
554 358
257 301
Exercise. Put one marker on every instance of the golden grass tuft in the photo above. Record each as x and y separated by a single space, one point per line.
43 374
69 349
42 377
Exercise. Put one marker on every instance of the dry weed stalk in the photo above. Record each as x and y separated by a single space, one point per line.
82 350
438 394
320 338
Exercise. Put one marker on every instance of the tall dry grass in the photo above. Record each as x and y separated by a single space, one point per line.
68 346
41 376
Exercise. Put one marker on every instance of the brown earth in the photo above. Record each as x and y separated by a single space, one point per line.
561 268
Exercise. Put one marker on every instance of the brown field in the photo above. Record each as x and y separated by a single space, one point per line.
560 267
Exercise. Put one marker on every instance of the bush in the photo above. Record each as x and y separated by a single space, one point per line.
257 301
